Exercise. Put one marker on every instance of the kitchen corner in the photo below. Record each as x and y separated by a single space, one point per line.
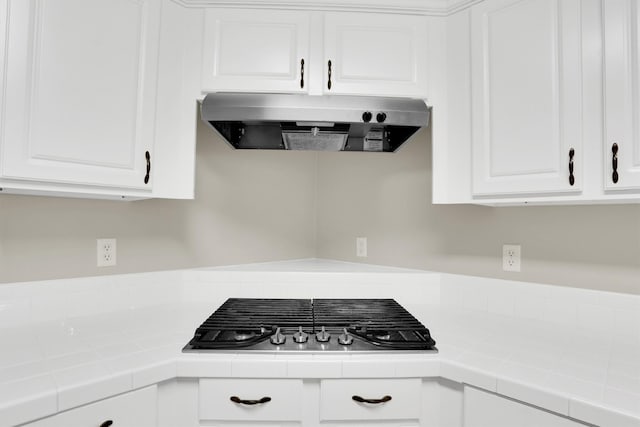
78 341
179 176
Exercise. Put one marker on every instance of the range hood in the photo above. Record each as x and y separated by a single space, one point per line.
321 123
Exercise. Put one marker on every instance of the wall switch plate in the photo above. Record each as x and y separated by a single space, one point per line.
106 252
361 247
511 257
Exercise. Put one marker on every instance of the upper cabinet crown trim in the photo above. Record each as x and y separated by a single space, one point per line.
421 7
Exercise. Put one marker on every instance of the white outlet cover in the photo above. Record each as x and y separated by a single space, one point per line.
511 257
106 252
361 247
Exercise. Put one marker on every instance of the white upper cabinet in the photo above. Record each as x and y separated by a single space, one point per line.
621 19
342 53
256 51
526 97
80 92
375 54
3 35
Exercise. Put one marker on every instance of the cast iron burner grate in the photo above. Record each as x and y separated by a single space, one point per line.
243 323
382 322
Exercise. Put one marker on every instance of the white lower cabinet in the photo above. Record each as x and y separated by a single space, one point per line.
135 409
484 409
385 402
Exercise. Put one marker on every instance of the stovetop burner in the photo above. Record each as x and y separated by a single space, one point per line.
323 325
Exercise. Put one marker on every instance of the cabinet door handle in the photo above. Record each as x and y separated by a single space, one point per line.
236 399
148 157
572 179
372 401
107 423
329 81
302 73
614 163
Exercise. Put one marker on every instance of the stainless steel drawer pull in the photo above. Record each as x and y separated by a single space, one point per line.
372 401
236 399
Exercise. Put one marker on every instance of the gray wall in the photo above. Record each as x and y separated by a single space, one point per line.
387 200
261 206
249 207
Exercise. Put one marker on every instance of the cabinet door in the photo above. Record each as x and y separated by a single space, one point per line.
4 14
622 93
483 409
527 97
374 54
256 51
80 91
135 409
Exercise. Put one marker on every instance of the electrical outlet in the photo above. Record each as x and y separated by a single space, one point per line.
511 257
106 252
361 247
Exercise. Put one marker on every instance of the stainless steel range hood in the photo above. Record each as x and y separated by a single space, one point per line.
321 123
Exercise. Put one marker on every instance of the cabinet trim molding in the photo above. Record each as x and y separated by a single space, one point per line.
419 7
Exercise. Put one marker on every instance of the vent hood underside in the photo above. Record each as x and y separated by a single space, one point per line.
319 123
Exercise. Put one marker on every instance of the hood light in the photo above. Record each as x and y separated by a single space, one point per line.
316 124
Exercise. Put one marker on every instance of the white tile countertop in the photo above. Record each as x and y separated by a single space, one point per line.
66 343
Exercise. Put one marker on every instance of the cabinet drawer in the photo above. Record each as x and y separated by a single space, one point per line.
337 403
285 402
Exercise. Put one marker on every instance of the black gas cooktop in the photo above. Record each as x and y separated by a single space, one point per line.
318 325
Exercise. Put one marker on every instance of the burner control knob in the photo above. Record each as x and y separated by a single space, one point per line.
323 336
345 338
367 116
300 337
278 338
381 117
